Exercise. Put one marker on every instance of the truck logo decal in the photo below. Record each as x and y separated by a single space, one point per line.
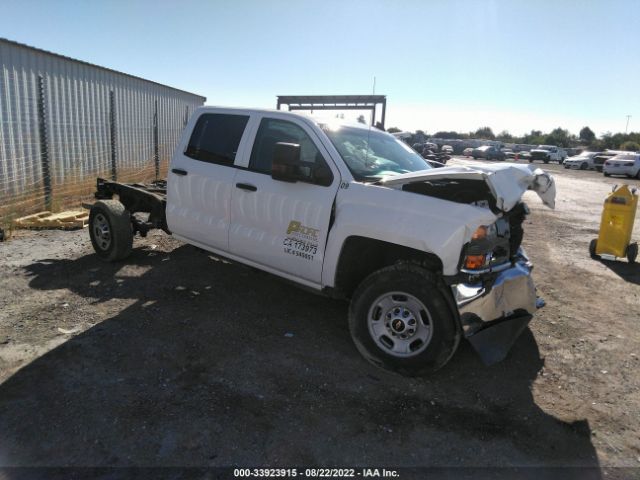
301 241
296 227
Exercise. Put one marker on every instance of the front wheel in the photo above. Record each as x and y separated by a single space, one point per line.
400 321
110 230
632 252
593 244
583 166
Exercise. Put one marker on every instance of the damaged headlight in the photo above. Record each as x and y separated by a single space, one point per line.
489 245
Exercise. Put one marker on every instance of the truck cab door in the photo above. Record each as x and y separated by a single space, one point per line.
201 177
283 226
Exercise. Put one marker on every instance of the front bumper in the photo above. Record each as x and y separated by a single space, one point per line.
497 308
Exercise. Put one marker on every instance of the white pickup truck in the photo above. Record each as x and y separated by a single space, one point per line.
426 256
548 153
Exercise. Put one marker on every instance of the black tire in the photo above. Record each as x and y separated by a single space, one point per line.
566 166
546 160
110 230
530 160
606 174
583 166
593 244
632 252
419 283
638 175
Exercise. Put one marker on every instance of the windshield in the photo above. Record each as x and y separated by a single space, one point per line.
372 154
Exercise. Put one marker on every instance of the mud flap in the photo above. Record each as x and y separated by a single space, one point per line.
493 342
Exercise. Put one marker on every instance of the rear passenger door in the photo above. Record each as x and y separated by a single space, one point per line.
201 177
282 225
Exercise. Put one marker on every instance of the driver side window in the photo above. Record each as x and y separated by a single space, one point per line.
272 131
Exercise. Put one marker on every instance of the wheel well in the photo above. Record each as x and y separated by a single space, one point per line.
362 256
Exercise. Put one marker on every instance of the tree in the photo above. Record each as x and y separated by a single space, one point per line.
393 130
559 137
587 136
505 136
485 132
453 135
629 146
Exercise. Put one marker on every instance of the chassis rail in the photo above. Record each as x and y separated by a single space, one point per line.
138 198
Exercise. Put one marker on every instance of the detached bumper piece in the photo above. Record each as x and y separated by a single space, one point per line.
495 310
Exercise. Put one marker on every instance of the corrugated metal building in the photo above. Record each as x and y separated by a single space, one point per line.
63 122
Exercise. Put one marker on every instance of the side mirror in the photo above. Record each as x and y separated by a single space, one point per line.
286 165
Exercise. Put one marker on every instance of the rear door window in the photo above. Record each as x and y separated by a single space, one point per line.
216 137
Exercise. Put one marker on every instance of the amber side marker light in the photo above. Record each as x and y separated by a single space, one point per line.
474 262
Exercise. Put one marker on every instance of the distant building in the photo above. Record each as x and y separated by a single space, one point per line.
63 122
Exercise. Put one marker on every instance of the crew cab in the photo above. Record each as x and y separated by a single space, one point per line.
547 153
425 256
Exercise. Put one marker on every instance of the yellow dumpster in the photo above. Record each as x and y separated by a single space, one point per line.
616 226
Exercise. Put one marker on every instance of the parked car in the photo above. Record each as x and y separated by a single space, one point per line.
600 158
448 149
425 256
467 152
488 152
582 161
523 155
548 153
508 153
623 164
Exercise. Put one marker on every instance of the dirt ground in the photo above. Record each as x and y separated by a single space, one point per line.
177 358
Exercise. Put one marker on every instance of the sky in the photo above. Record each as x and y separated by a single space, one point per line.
513 65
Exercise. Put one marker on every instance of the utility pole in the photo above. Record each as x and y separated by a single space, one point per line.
627 127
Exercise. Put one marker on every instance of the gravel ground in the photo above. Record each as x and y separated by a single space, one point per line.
178 358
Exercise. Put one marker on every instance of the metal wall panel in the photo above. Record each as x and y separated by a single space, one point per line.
75 99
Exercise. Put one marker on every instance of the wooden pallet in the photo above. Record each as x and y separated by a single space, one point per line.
68 220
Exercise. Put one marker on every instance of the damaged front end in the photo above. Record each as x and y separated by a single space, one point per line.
493 288
494 291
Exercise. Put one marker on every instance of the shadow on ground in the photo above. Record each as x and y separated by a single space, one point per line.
239 368
629 272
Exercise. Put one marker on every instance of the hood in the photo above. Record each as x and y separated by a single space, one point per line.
506 181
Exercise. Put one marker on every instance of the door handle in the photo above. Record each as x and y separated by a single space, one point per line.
247 186
179 171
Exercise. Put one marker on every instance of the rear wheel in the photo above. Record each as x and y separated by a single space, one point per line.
110 230
592 248
583 166
400 321
632 252
638 175
606 174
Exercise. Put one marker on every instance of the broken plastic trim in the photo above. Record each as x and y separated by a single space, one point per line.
493 342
